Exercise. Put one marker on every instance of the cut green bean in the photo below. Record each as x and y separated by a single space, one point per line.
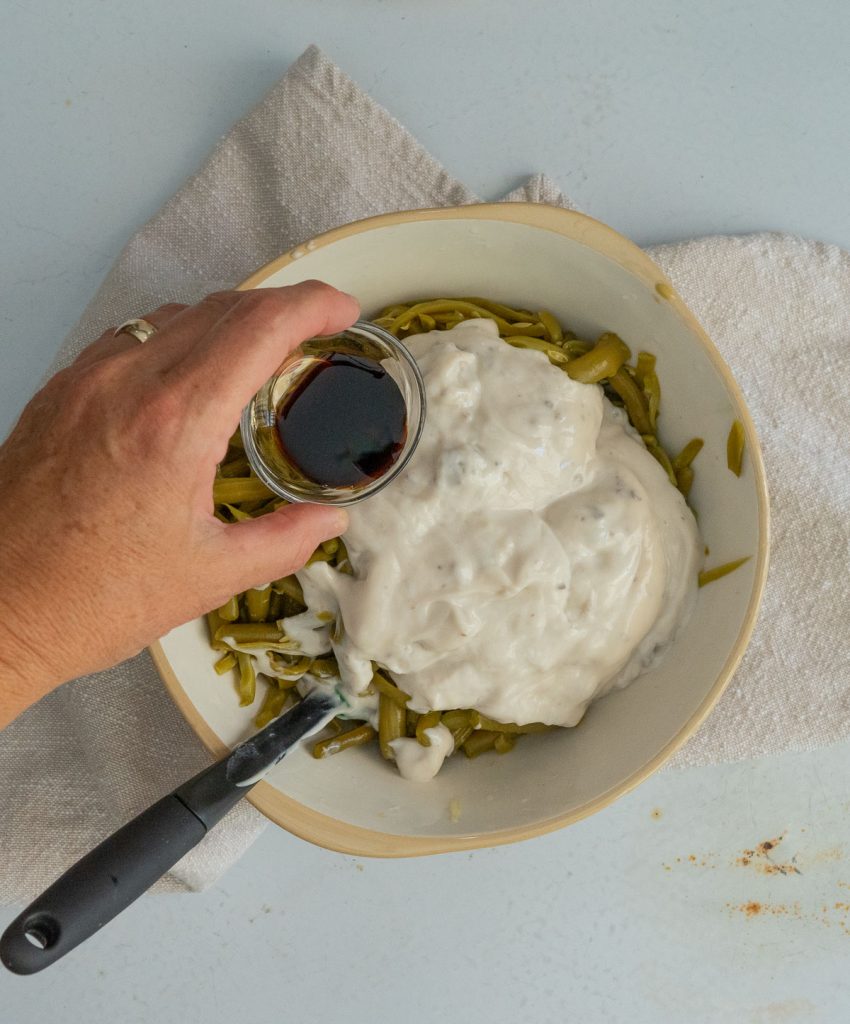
687 455
557 356
553 328
603 360
428 721
411 720
238 466
735 448
505 742
480 721
247 679
257 604
389 690
344 741
644 365
391 724
324 668
479 742
684 480
229 612
273 704
214 620
655 449
633 399
234 490
225 663
290 586
250 632
500 309
719 571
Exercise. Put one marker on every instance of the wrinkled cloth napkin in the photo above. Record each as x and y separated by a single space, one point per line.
317 153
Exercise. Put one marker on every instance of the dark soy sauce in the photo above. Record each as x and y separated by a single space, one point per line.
344 423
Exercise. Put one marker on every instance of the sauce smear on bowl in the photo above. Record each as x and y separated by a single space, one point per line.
344 423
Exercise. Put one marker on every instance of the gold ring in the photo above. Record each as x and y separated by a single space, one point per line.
141 330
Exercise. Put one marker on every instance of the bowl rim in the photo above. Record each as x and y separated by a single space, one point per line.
340 836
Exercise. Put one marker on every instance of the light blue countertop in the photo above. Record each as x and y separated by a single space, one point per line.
666 120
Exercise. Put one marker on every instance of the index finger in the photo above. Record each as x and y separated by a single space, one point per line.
249 342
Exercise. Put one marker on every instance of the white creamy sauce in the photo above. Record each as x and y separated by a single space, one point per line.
419 763
531 557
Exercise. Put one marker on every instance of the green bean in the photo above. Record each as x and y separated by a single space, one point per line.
411 720
238 466
343 559
644 364
452 307
238 516
655 449
505 742
553 328
247 679
391 724
395 310
257 604
236 489
250 632
575 348
229 612
735 448
290 586
480 721
652 390
275 701
353 738
557 356
633 399
389 690
288 673
687 455
214 620
428 721
324 668
507 312
459 725
277 606
603 360
330 546
319 555
480 741
684 480
710 575
225 663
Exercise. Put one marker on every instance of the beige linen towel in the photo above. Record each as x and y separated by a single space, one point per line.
316 153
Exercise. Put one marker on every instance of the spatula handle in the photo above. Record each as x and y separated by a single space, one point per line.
100 885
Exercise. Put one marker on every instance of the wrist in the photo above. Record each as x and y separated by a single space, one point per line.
25 675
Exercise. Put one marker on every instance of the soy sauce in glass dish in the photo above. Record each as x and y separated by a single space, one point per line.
339 419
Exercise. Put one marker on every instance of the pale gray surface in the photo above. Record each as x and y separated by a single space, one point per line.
665 121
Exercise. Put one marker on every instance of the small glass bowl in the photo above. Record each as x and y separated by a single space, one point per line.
259 418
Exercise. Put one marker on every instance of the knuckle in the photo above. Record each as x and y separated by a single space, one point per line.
219 302
166 311
262 300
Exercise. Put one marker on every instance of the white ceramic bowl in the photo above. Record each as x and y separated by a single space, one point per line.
592 279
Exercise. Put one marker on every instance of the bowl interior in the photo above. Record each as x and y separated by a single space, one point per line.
593 280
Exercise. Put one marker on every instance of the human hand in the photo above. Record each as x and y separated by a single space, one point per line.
108 534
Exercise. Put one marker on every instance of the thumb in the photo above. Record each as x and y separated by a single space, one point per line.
253 552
